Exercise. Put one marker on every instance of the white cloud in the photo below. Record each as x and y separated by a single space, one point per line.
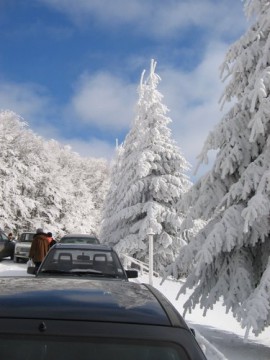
27 100
104 101
193 100
107 102
156 17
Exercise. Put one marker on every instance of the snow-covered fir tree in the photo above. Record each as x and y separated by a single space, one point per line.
148 180
44 184
231 254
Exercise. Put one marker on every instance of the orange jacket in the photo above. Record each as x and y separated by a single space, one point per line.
39 247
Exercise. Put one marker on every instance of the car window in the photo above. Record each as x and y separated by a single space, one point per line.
3 237
74 349
28 237
79 240
83 260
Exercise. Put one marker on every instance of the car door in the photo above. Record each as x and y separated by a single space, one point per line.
3 241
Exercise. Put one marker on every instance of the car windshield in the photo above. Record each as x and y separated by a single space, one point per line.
27 238
77 261
79 240
4 236
69 349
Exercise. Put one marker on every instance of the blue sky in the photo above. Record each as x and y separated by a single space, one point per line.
71 68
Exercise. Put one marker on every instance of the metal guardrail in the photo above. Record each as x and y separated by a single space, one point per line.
143 267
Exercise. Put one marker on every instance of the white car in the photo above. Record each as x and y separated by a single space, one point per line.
22 246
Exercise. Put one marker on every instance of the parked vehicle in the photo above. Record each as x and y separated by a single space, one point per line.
95 261
79 239
59 319
22 246
6 246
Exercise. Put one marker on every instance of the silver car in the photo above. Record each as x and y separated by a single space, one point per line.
22 246
79 239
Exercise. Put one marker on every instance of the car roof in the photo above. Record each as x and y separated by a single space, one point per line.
83 246
84 299
79 235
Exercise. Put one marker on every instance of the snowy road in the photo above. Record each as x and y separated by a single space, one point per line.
221 335
221 330
233 346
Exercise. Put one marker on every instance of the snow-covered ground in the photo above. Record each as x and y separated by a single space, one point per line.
219 333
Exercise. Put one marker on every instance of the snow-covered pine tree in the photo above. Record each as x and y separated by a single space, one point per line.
231 253
149 182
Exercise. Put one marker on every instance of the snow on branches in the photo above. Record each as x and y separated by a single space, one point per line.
44 184
147 180
230 254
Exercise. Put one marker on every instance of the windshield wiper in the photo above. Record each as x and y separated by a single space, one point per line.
78 272
92 272
51 271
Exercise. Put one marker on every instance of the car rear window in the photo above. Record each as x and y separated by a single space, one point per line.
36 348
82 260
79 240
27 237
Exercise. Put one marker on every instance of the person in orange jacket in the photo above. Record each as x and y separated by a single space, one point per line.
39 248
50 239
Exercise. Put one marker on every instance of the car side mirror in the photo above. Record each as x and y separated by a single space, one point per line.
131 274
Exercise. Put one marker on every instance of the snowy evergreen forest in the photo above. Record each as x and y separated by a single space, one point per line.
215 231
44 184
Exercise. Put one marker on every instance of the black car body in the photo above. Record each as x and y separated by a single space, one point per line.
6 246
87 260
63 319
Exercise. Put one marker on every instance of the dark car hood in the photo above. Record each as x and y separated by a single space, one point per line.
80 299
